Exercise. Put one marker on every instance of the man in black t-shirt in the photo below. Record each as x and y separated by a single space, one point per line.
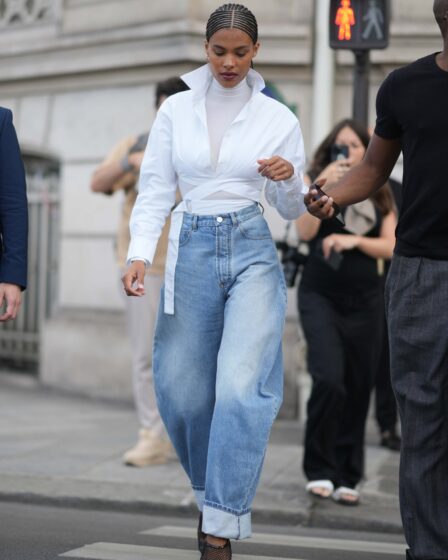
412 117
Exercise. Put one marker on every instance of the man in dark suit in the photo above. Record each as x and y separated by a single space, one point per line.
13 220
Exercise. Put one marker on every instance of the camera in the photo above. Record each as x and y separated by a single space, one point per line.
339 152
292 259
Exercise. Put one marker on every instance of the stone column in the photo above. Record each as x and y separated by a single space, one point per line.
323 76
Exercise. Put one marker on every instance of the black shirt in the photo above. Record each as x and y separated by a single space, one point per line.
412 105
357 273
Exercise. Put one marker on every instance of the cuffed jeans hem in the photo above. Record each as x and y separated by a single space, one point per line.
221 523
200 497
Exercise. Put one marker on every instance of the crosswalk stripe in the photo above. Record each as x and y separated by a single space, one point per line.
113 551
294 540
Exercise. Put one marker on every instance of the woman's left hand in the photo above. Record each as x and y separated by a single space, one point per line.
339 242
276 168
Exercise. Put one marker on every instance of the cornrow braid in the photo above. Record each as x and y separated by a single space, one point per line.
232 16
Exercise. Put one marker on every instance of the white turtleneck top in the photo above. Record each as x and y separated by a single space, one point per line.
222 106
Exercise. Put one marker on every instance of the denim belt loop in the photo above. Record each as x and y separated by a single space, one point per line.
234 218
195 222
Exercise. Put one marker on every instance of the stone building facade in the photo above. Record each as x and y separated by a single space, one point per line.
79 75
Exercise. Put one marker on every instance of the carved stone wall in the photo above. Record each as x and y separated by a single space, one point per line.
25 12
79 76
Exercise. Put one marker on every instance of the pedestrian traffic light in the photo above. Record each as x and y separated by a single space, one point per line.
359 24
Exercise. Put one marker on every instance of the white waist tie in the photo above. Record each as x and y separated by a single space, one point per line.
194 203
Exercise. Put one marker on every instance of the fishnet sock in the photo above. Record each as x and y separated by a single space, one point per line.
217 552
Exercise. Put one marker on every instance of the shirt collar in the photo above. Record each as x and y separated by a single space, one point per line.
199 80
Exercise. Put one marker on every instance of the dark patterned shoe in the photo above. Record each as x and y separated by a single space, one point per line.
212 552
391 440
201 535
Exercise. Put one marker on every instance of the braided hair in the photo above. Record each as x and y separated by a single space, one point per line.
232 16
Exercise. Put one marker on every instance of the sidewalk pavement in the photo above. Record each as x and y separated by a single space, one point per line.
67 450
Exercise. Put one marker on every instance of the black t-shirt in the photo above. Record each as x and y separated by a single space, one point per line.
412 106
357 273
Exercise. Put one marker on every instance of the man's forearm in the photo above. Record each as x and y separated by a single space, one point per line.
358 184
371 174
106 176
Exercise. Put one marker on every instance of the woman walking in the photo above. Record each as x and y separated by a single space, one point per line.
340 304
217 348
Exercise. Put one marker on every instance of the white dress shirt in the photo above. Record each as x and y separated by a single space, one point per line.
179 154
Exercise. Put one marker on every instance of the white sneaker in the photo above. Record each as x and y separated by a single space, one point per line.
149 450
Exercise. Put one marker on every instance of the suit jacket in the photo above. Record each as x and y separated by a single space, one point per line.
13 206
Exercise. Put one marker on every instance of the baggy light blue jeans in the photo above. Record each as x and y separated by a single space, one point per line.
217 361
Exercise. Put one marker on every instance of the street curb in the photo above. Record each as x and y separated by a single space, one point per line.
345 523
146 508
304 518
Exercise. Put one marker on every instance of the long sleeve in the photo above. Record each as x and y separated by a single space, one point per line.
157 189
13 207
287 196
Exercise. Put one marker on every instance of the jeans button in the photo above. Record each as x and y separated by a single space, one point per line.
219 219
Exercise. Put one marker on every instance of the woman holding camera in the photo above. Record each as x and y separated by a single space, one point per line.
340 309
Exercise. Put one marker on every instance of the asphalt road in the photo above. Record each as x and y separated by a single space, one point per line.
32 532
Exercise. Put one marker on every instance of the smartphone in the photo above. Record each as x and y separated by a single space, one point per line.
337 211
334 260
339 151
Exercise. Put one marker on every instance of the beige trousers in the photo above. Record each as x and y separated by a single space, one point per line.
141 317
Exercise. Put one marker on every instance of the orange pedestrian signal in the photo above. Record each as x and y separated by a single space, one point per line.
359 24
345 18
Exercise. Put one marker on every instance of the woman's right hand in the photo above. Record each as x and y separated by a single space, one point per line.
335 171
134 279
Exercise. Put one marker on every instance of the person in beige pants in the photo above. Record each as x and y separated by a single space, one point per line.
119 172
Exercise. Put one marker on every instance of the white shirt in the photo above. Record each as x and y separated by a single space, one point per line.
178 154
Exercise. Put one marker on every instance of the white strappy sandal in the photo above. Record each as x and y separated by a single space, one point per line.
326 485
339 496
